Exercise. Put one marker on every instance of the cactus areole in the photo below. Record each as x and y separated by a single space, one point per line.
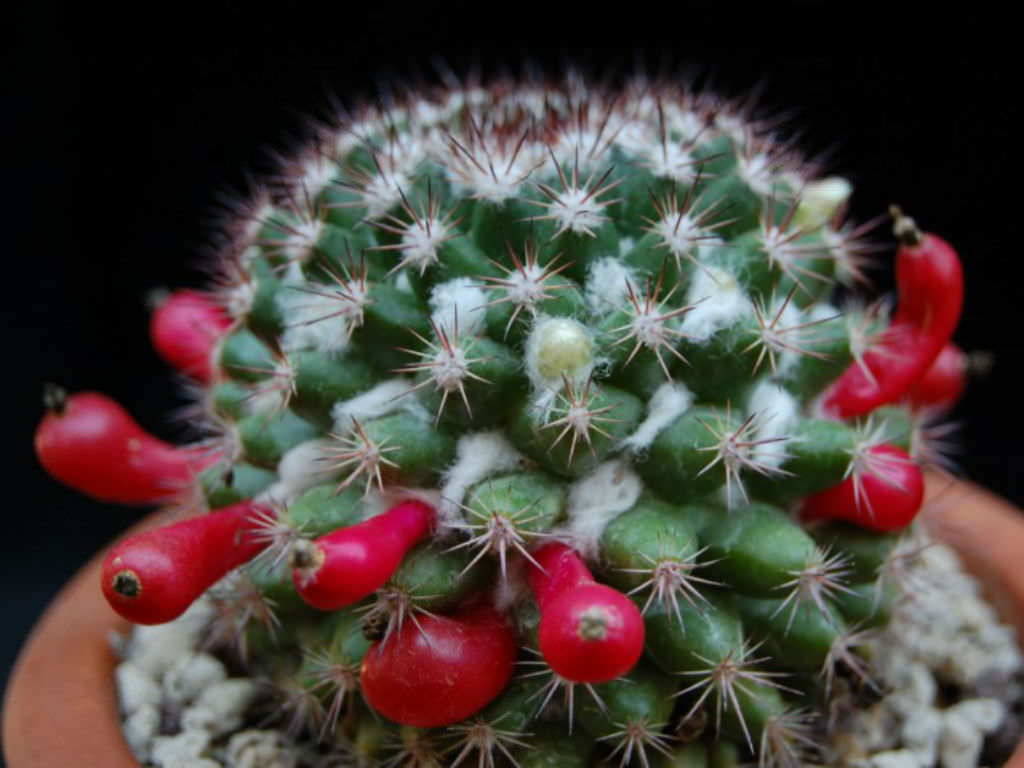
517 400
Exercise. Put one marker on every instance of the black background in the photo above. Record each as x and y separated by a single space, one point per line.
124 129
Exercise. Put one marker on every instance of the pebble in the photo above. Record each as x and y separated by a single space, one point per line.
221 708
156 648
983 714
259 749
921 732
191 675
135 689
187 745
960 746
897 758
916 688
944 634
140 729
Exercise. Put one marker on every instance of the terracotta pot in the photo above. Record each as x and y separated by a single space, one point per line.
60 708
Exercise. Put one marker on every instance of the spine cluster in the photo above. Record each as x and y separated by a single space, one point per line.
534 436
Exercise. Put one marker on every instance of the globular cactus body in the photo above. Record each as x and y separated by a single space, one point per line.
543 375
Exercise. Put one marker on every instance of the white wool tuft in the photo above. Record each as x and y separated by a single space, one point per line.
276 495
393 495
509 591
461 298
597 499
813 314
293 275
269 400
822 311
477 456
791 317
722 302
387 397
402 282
310 322
778 411
605 288
383 192
373 504
303 466
668 403
577 210
239 298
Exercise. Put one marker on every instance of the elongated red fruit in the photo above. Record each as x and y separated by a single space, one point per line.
441 671
929 281
184 329
344 566
885 498
945 380
90 443
589 632
154 576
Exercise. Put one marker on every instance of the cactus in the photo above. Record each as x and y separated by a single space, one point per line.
532 434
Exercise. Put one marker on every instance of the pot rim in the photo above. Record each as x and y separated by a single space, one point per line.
67 656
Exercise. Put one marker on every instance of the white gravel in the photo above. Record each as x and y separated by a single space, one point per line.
165 671
942 633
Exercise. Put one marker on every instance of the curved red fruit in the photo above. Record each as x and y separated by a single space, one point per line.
184 329
889 498
561 569
930 284
346 565
589 632
89 442
442 671
945 380
929 280
154 576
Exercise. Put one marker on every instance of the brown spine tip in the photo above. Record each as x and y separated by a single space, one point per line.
127 584
904 228
55 397
306 555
